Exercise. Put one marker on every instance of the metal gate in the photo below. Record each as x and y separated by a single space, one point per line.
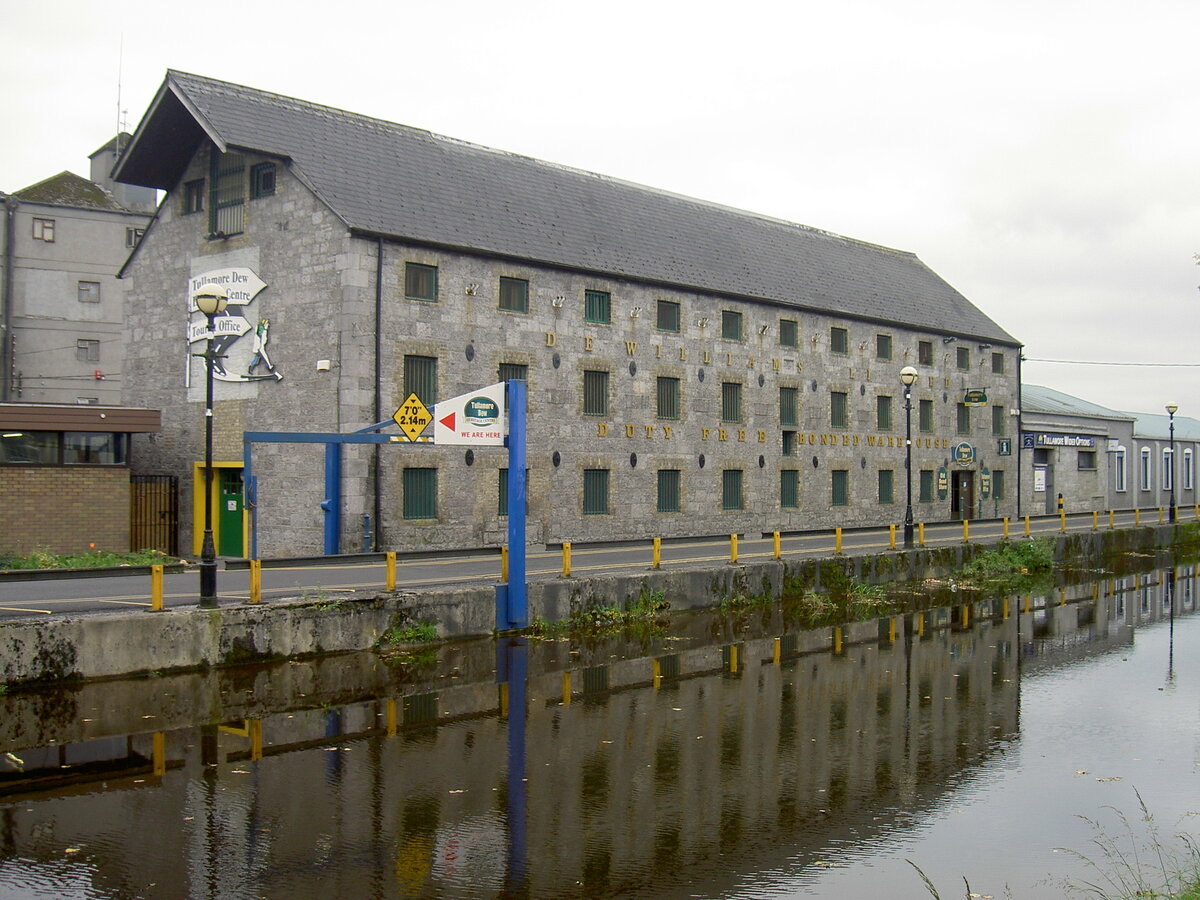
154 513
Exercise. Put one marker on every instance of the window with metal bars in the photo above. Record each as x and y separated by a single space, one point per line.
997 363
840 482
789 406
731 489
998 420
262 180
420 378
668 490
420 282
925 494
668 398
883 346
963 358
595 492
997 484
883 413
789 488
595 393
502 492
597 307
837 409
731 402
227 195
925 353
925 415
667 318
964 418
887 480
513 372
420 493
193 196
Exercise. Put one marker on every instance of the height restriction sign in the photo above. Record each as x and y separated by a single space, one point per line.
413 417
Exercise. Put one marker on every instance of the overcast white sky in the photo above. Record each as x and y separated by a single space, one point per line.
1043 156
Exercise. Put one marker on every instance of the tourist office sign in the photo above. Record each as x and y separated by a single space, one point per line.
476 418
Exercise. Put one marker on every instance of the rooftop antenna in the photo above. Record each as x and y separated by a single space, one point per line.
122 122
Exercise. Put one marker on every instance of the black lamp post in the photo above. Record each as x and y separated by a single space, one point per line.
1172 408
908 375
211 301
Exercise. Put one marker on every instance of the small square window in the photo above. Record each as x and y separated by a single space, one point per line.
789 333
420 493
963 356
193 196
883 346
514 294
731 325
43 230
1087 460
133 235
597 307
420 282
925 353
87 350
89 292
262 180
667 316
839 340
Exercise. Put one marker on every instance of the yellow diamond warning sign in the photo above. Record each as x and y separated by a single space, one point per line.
413 417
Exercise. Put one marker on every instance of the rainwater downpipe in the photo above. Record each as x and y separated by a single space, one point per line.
1019 439
378 411
6 348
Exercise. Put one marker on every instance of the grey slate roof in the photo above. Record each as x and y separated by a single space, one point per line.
69 189
1038 399
404 183
1158 427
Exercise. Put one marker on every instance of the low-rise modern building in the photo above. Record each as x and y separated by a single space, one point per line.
1092 458
691 368
61 305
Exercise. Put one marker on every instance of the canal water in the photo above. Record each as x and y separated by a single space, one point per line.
987 742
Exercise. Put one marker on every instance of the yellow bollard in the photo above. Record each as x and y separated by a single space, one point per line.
256 581
391 718
777 651
1160 515
159 752
733 549
1137 516
891 537
656 560
837 540
566 685
156 588
254 726
1095 520
391 570
1006 528
1062 597
1028 602
1112 518
1062 522
778 546
504 564
1027 526
837 638
921 534
566 553
966 531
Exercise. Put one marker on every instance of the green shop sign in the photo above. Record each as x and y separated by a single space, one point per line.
943 482
964 454
975 398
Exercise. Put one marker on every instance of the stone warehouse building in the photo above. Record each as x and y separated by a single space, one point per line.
691 368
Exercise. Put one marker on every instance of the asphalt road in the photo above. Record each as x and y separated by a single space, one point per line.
55 596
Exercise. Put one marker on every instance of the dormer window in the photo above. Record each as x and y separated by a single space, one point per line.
262 180
227 197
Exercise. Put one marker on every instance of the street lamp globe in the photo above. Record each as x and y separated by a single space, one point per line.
908 376
1172 408
211 299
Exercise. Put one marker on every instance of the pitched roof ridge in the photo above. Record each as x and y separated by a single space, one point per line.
387 125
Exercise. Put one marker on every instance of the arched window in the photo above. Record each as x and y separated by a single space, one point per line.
1187 469
1144 472
1168 469
1120 472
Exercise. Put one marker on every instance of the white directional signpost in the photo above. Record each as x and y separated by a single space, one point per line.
472 418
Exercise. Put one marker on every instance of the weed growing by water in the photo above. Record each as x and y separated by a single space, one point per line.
413 633
92 559
1012 563
646 611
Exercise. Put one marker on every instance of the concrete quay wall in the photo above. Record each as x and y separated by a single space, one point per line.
113 644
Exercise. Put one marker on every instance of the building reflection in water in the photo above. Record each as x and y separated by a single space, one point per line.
656 766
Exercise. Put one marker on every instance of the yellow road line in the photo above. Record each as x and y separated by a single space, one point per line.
48 612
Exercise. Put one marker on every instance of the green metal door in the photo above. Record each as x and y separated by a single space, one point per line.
229 512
